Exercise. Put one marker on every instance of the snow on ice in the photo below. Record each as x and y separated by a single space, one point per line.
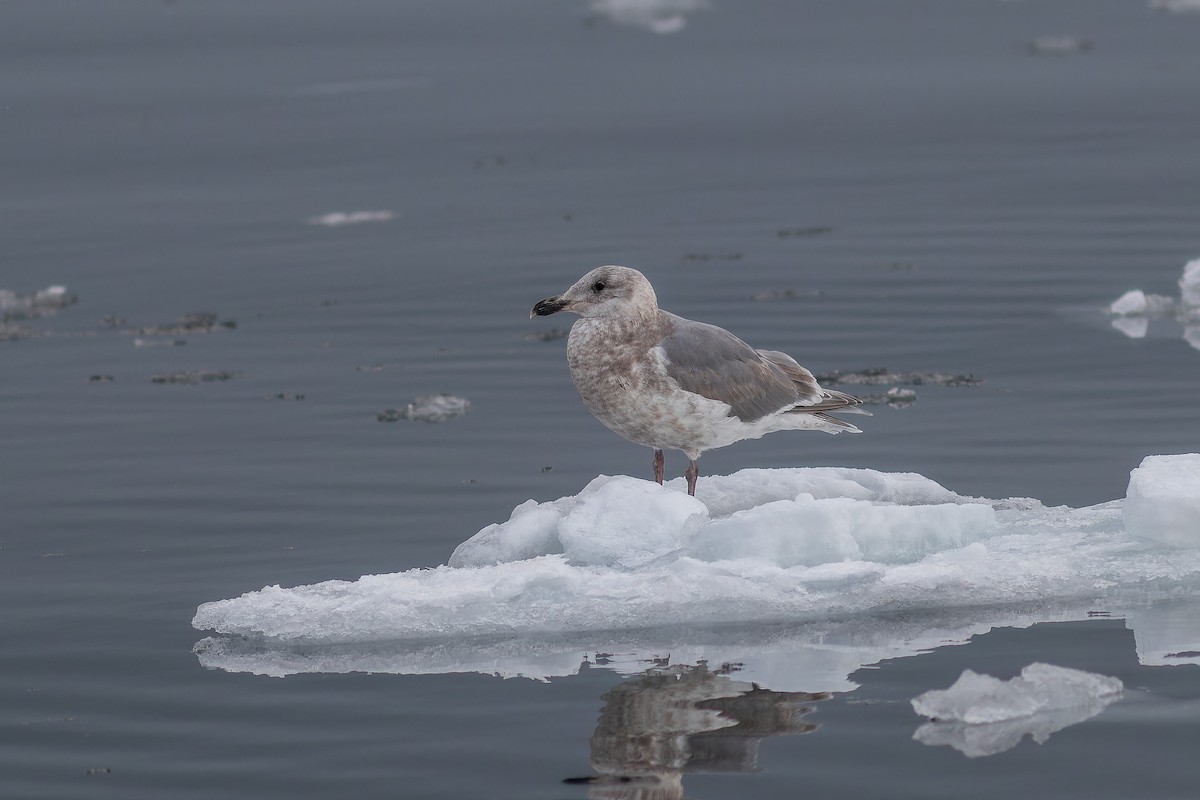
798 573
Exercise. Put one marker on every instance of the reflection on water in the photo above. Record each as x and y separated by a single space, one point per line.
975 741
668 721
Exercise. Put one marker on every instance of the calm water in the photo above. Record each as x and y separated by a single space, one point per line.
933 195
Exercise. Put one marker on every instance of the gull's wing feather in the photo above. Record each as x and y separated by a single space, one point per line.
713 363
813 397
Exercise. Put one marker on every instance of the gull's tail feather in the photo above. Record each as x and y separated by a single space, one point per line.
840 425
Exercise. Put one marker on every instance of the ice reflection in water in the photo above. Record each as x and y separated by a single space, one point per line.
669 721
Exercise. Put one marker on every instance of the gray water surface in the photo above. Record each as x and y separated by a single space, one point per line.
902 185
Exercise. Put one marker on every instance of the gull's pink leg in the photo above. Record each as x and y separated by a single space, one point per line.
659 464
693 472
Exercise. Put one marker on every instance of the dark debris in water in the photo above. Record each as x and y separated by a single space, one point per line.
810 230
194 322
879 376
428 408
196 376
711 257
547 335
894 397
772 295
100 379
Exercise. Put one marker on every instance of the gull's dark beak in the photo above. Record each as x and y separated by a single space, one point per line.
544 308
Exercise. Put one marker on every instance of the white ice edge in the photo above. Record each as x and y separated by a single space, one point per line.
801 575
1137 314
980 715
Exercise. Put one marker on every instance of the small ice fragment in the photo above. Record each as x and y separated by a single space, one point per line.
1191 335
1175 6
336 219
43 302
1132 302
1137 303
1189 285
657 16
1163 500
979 699
980 715
428 408
1059 45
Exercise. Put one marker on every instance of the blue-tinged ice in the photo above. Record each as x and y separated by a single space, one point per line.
980 715
803 575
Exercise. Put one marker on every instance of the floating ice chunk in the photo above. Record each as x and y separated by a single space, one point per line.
1175 6
336 219
1191 335
1132 302
977 699
657 16
1137 303
625 560
1133 310
1163 500
1189 285
41 303
1059 45
980 715
819 655
428 408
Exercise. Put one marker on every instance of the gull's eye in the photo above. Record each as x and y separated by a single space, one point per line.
598 286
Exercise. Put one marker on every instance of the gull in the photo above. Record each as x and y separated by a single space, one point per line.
666 382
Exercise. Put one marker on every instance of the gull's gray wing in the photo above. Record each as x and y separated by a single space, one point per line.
814 397
713 363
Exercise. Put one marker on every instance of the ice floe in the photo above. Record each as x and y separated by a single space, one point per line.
17 308
800 573
428 408
980 715
657 16
1061 45
1163 500
337 219
1136 313
1175 6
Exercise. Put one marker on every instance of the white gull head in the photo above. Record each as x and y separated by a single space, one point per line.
610 292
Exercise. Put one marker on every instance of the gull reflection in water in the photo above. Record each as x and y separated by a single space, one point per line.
672 720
